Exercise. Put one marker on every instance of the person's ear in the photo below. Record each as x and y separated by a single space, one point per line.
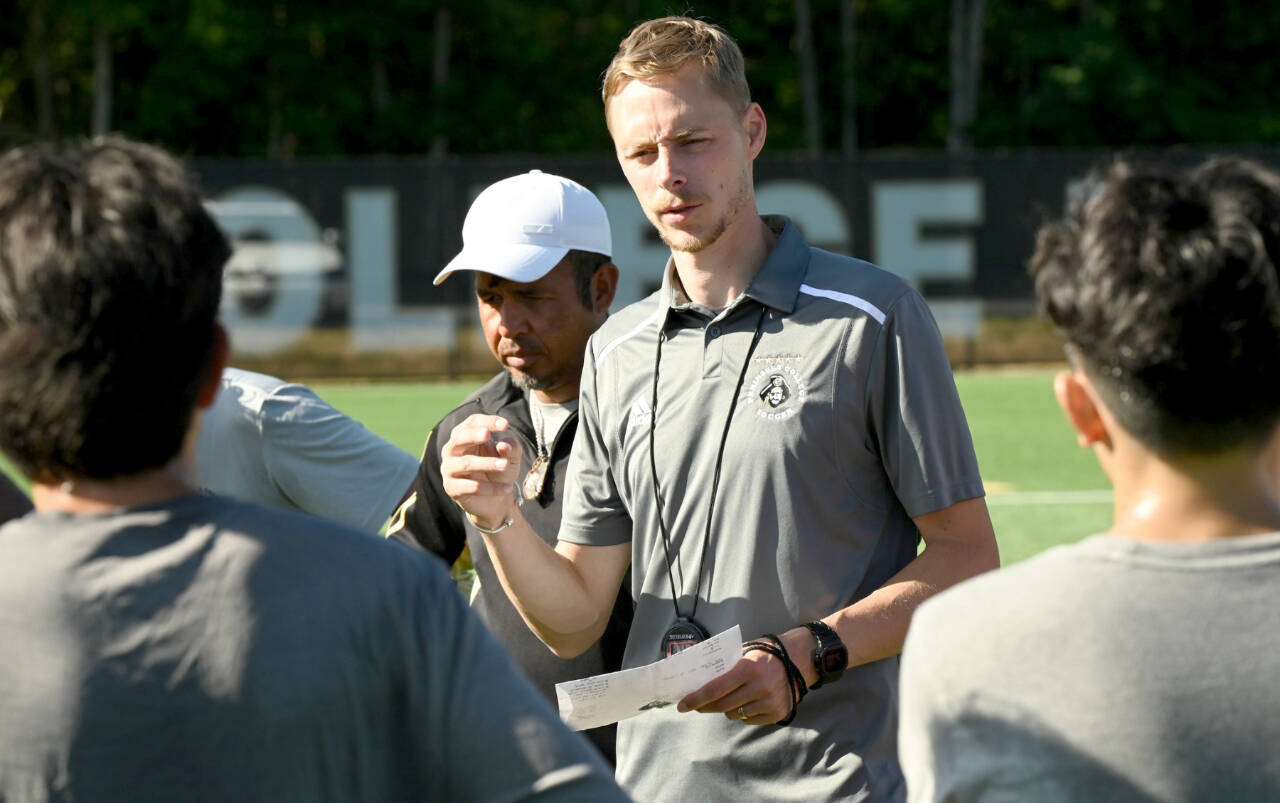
1080 405
756 128
217 362
604 284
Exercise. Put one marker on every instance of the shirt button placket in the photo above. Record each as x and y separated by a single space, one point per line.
713 350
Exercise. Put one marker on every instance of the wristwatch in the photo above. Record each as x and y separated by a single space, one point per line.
830 656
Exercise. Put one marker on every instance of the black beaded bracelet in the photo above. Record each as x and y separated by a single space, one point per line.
771 644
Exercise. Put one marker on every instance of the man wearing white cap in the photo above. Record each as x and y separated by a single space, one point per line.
539 246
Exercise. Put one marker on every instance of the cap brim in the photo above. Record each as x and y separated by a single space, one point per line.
517 262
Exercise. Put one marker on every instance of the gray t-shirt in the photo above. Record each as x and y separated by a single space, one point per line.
847 425
278 444
548 418
207 649
1109 670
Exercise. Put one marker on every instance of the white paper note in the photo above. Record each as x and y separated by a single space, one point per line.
604 699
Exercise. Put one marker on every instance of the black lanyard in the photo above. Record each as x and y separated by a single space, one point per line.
715 482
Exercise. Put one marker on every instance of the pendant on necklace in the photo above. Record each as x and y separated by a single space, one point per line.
537 475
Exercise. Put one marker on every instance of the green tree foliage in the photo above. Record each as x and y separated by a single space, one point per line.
1143 72
252 78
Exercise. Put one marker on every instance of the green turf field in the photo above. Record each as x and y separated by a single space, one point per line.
1043 489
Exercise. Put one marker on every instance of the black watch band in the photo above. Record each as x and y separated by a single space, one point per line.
830 657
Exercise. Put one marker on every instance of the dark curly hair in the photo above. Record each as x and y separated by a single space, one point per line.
1163 283
110 280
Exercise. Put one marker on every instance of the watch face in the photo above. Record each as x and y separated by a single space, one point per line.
833 661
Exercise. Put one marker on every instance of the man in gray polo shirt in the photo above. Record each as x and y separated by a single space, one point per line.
765 441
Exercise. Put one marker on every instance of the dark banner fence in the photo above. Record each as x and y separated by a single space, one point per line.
350 247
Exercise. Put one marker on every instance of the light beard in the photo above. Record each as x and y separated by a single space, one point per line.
526 382
736 204
697 243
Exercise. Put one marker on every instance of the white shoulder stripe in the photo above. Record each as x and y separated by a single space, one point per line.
618 341
845 298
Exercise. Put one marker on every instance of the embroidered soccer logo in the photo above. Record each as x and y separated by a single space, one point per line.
778 391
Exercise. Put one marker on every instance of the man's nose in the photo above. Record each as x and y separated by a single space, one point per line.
670 170
512 320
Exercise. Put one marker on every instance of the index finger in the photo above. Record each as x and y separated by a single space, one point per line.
475 430
714 689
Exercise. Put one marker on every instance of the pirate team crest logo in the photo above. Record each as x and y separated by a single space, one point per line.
777 392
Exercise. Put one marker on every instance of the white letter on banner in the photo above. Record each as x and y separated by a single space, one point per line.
377 322
637 251
899 211
814 210
274 283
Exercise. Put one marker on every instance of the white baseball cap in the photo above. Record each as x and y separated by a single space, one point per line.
521 227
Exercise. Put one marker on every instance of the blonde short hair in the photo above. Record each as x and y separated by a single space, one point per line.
663 46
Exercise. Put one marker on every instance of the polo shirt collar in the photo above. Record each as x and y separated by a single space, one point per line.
777 284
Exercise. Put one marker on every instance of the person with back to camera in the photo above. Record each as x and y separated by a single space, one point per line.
1138 664
162 644
14 502
764 442
539 247
279 444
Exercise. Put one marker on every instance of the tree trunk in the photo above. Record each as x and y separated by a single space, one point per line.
41 68
275 84
101 79
439 78
967 22
849 77
381 89
808 79
275 111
